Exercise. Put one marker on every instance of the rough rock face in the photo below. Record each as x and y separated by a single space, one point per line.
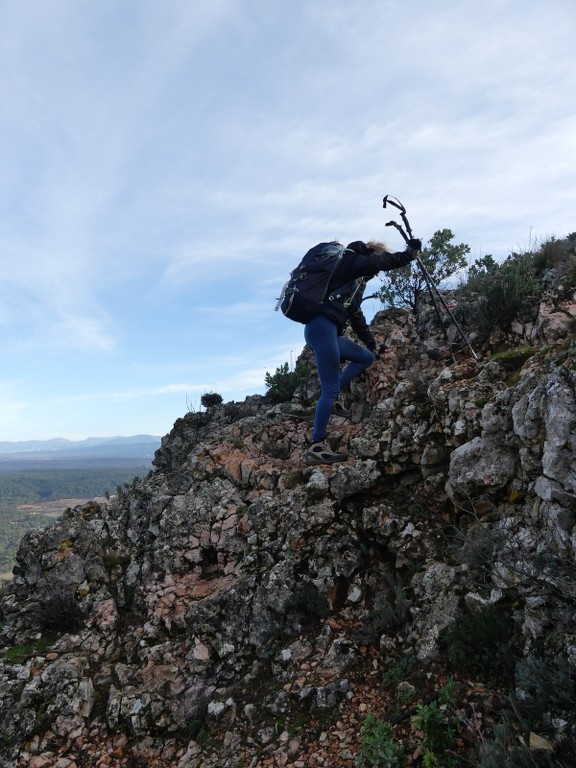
234 586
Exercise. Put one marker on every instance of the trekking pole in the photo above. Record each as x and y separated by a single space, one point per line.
429 283
432 288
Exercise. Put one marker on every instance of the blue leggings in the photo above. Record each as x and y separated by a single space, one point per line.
331 351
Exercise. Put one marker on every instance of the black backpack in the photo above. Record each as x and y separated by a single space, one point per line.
303 295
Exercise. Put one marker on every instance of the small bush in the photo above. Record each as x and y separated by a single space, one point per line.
282 385
544 685
405 669
434 724
557 255
58 610
508 750
378 745
480 643
477 548
502 290
211 399
447 693
387 616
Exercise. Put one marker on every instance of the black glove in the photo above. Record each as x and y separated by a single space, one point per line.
380 351
415 244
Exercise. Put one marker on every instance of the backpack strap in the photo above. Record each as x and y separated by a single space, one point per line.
341 292
282 294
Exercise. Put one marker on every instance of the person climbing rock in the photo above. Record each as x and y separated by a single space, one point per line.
324 334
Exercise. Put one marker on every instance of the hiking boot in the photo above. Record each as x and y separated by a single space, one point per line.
338 409
320 453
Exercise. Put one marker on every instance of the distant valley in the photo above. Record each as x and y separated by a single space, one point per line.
92 453
39 479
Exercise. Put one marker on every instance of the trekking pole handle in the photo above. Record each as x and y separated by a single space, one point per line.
389 200
399 228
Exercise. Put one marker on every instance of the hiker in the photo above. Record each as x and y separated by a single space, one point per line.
360 262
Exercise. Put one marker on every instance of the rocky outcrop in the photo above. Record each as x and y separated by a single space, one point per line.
234 591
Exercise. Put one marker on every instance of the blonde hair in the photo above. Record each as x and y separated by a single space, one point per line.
377 245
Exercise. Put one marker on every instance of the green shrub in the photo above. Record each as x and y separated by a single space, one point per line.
544 685
501 291
378 745
211 399
480 643
405 669
58 610
282 385
447 693
476 547
436 727
550 254
507 750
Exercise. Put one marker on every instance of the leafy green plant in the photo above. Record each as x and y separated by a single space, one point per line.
282 384
447 693
442 259
378 745
435 726
405 669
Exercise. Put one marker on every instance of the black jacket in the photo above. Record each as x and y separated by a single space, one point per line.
356 316
344 292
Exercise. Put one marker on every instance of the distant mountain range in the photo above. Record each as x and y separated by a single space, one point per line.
59 453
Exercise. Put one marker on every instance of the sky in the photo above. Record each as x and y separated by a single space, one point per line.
166 163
